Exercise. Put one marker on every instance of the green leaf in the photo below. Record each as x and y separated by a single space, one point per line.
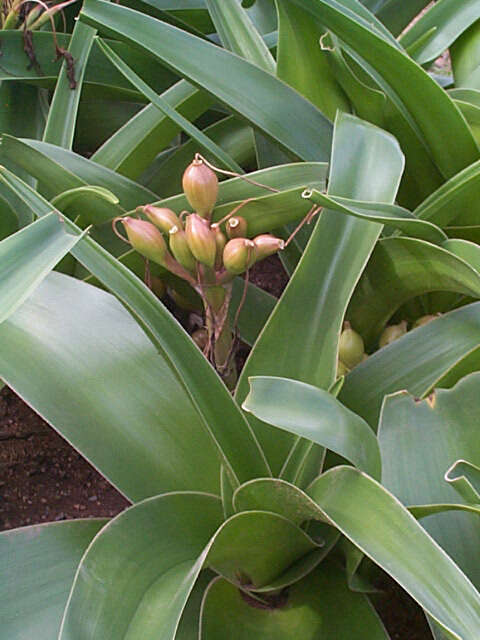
243 553
445 21
472 116
163 105
303 63
420 442
9 222
314 414
403 268
464 477
426 105
389 214
316 297
375 521
256 309
152 573
465 57
95 205
221 418
62 115
269 103
59 170
454 200
415 362
38 565
321 606
133 147
152 439
238 34
27 257
395 15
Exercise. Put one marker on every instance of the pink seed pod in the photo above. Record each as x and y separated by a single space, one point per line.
238 255
236 227
146 239
201 240
266 245
161 217
200 185
180 249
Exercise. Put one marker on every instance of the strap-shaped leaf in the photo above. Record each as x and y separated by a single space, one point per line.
147 560
311 309
389 214
163 105
427 105
416 362
28 256
403 268
255 94
375 521
134 146
333 612
418 459
38 566
62 115
314 414
464 477
438 28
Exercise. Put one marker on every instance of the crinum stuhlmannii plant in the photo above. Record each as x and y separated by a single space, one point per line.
238 528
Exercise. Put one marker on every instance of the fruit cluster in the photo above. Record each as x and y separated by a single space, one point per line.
197 249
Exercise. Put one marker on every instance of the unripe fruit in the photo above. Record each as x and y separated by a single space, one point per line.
201 240
350 347
220 241
342 369
266 245
146 239
424 320
162 217
236 227
180 249
238 255
392 333
200 185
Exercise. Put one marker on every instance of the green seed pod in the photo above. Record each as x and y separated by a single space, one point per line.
180 249
200 185
201 240
236 227
162 217
266 245
220 241
238 255
146 239
350 347
425 320
392 333
342 369
200 337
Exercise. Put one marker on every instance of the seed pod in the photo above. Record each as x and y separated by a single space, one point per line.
220 241
200 185
342 369
200 337
238 255
162 217
201 240
392 333
425 320
350 347
146 239
180 249
266 245
236 227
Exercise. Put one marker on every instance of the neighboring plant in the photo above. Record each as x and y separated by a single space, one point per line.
268 521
